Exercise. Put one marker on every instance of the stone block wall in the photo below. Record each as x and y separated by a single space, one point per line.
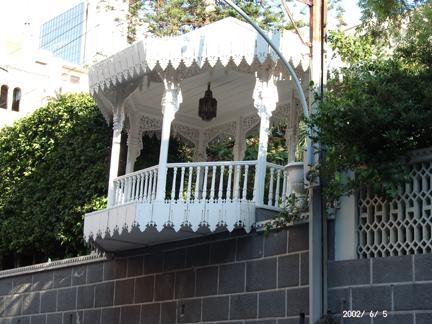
400 285
224 278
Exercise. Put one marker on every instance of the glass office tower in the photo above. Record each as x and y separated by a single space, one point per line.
63 35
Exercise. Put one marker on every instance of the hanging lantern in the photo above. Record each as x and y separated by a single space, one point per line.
207 106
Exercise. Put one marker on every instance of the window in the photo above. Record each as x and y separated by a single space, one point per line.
4 96
16 99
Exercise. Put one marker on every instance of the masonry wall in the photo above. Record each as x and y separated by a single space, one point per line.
400 285
224 278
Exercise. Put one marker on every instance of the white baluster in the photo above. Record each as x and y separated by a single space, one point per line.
150 187
237 182
284 188
212 189
122 191
146 186
270 194
133 191
141 191
220 193
189 188
228 193
174 184
116 192
204 193
197 183
245 179
181 184
155 177
277 187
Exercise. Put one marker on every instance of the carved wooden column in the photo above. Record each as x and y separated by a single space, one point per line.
171 100
118 120
134 143
239 148
265 98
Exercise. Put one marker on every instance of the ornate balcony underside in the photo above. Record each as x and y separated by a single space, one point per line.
201 198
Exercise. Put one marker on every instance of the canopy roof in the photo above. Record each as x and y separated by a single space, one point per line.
227 53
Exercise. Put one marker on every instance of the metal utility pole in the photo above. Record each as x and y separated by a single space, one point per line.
317 224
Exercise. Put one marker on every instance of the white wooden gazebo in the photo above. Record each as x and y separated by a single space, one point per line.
154 86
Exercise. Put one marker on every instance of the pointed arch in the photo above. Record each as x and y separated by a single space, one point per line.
4 96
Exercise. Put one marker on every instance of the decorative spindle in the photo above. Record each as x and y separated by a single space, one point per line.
181 184
228 193
220 193
174 184
245 180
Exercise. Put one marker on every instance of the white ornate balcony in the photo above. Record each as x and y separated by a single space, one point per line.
154 87
200 198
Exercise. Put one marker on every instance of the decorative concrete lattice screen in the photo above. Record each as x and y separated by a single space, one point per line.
401 226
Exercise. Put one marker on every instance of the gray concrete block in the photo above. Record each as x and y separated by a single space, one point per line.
4 321
413 297
275 243
38 319
79 275
250 247
110 315
22 284
304 268
135 266
174 260
43 280
222 252
124 292
150 314
261 274
185 284
168 313
115 269
12 305
261 322
31 303
21 320
91 316
94 272
198 255
207 281
271 304
54 318
164 286
243 306
297 301
232 278
66 299
130 315
104 294
421 318
288 270
189 311
263 214
5 286
62 278
398 319
348 273
371 298
144 288
153 263
423 267
392 269
85 298
215 309
338 300
298 238
73 317
48 301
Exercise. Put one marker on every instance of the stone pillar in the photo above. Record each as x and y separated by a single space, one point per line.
265 98
200 149
134 143
171 100
118 120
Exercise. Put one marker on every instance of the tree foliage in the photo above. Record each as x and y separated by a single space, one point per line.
53 169
174 17
377 108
